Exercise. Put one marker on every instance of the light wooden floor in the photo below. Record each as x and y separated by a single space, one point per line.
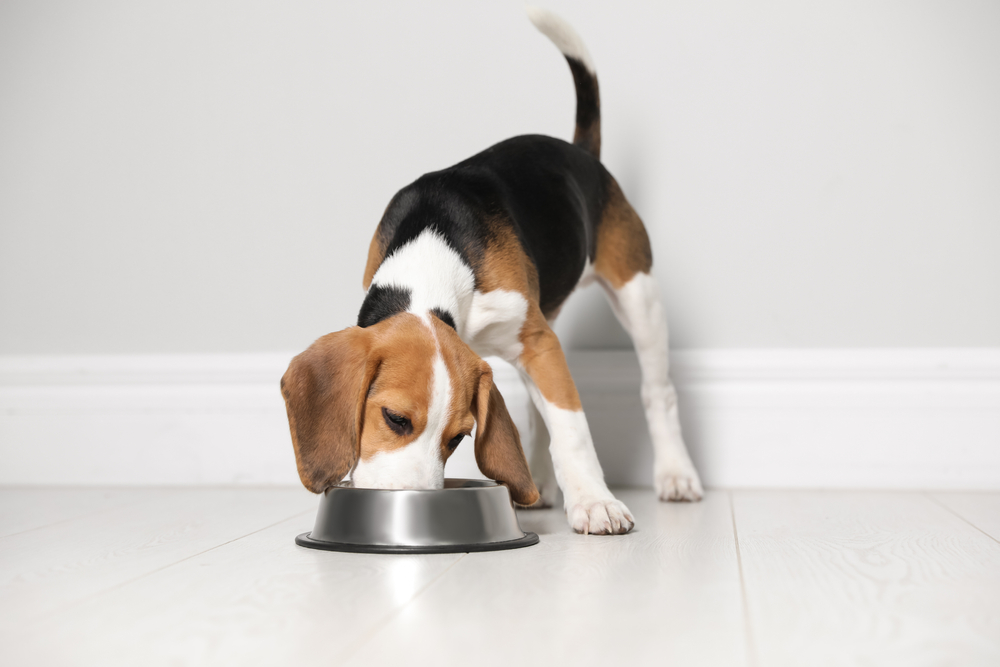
212 576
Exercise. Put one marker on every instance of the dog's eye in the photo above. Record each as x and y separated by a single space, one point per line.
453 443
398 423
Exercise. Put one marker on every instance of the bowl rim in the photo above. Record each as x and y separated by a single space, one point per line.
452 485
305 540
466 485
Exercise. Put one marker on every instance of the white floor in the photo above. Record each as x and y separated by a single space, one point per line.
212 576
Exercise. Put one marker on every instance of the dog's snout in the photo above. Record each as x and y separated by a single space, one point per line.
398 471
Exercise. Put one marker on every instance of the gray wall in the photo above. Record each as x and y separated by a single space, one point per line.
205 177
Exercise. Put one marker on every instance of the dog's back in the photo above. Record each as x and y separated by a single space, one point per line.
552 195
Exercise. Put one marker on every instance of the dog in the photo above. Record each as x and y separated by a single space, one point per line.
476 260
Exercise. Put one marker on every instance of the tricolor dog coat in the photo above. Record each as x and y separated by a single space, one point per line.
477 260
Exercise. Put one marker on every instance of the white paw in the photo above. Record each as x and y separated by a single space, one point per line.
600 517
679 485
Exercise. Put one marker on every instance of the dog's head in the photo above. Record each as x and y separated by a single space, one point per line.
391 402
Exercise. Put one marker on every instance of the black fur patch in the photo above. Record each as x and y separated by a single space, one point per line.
381 303
588 108
438 201
550 193
445 317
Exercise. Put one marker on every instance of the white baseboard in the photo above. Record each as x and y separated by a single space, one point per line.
776 418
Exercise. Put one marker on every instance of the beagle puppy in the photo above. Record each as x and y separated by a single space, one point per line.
476 260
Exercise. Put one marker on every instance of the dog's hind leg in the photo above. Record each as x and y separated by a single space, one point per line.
622 263
638 307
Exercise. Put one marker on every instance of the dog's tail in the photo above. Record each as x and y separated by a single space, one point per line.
588 97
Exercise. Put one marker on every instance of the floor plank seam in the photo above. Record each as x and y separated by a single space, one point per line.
117 506
751 650
350 653
93 596
72 518
937 502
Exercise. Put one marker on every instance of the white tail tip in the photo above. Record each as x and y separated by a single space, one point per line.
561 34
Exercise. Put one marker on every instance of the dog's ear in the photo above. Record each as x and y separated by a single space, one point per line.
325 389
498 446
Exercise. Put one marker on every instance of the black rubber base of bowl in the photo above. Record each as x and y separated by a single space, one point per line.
304 540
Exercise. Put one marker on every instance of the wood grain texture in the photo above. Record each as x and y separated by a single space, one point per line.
44 570
212 576
667 593
260 600
982 510
866 578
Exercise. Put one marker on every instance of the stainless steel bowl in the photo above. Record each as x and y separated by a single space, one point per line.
466 515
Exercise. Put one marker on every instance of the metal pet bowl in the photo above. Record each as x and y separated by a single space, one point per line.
466 515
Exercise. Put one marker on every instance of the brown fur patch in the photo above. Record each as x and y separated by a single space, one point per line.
324 389
498 446
543 359
377 247
405 349
376 253
474 397
506 266
622 243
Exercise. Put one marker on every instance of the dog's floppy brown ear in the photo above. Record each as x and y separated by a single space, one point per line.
325 389
498 446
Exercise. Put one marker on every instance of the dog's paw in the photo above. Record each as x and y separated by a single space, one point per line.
605 516
679 486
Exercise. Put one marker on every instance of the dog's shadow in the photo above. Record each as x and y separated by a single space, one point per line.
548 521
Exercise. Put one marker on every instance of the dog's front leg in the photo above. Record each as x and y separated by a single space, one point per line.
536 447
590 506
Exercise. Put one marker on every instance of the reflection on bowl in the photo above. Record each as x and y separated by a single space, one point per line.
466 515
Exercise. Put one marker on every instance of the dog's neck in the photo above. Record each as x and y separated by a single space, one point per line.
425 277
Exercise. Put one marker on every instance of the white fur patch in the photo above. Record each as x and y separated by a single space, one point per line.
590 505
638 307
494 323
435 275
576 466
418 465
561 34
